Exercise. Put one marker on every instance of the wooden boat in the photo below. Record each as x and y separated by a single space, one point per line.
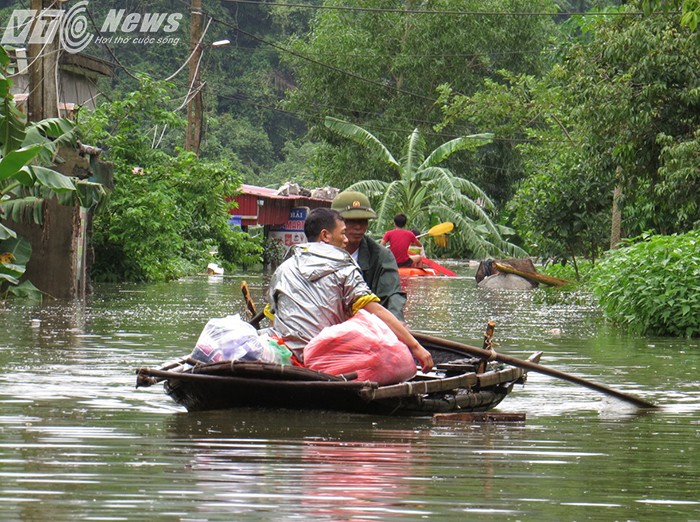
459 384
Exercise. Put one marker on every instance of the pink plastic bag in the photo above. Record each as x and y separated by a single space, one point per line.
362 344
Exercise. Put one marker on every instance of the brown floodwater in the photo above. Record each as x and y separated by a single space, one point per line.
79 442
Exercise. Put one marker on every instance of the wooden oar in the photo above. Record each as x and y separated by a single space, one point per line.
438 267
249 303
440 229
513 361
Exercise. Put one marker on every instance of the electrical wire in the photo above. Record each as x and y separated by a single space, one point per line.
325 65
194 49
445 12
92 19
319 117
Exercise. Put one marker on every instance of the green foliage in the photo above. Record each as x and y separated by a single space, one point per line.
128 127
690 10
563 208
273 253
379 69
241 143
298 166
162 222
570 271
167 212
633 94
15 253
25 183
651 285
619 109
428 193
26 290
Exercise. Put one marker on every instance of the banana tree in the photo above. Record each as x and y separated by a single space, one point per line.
25 183
428 193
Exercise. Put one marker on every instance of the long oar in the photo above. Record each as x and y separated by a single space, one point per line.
440 229
513 361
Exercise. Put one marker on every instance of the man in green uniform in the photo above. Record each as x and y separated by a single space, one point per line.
377 263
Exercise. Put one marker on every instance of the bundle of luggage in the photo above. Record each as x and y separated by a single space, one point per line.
363 344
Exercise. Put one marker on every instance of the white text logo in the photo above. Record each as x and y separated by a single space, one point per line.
41 27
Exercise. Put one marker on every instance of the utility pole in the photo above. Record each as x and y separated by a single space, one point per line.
193 136
42 101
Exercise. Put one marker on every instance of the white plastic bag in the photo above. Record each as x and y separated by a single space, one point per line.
232 339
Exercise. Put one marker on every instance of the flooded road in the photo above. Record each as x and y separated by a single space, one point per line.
79 442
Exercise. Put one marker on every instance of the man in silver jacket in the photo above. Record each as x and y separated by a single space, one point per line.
320 285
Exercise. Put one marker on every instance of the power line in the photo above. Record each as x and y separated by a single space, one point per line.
320 118
89 12
442 13
322 64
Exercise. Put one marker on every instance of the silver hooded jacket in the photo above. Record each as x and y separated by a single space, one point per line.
315 287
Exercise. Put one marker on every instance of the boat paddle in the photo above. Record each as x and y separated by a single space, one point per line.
437 267
529 365
439 229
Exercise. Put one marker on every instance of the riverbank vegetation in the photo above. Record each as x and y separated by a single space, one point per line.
167 214
650 285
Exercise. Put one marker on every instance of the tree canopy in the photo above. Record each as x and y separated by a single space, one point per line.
428 193
617 109
379 67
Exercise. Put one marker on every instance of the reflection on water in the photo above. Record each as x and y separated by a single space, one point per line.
77 441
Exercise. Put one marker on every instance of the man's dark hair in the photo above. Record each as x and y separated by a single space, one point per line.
400 220
318 219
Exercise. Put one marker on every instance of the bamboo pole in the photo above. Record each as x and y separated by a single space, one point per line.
529 365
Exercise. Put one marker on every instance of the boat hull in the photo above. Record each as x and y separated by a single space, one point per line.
234 384
409 271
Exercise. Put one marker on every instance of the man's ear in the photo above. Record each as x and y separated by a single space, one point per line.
324 236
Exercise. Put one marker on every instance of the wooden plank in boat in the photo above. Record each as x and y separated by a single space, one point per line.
507 375
271 383
406 389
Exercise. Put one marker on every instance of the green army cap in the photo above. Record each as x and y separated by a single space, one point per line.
353 205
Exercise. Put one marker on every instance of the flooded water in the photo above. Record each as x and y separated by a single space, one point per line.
79 442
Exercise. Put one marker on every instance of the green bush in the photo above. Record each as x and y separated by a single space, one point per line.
576 271
651 286
168 210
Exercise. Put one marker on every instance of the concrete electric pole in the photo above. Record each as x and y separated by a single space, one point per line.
42 100
193 137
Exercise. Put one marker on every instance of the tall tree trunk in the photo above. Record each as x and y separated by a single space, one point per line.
404 39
